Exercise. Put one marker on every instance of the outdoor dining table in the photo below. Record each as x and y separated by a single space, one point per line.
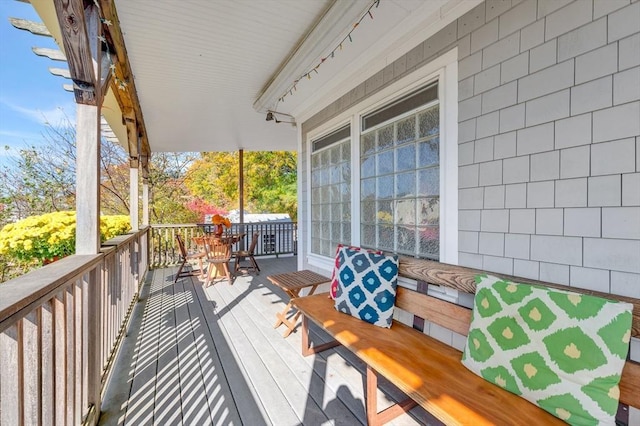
218 267
292 283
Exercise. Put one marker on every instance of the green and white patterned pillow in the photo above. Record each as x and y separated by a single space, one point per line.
562 351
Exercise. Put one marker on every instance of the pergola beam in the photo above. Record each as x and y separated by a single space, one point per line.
60 72
53 54
36 28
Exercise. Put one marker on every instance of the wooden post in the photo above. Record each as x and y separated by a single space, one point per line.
94 343
88 179
133 195
241 194
145 202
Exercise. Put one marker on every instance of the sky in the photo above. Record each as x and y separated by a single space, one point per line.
30 95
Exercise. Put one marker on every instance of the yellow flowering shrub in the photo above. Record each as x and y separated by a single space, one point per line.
51 235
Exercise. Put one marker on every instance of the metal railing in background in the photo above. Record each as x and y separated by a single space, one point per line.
275 239
60 329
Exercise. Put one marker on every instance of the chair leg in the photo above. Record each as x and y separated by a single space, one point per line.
201 267
179 271
228 272
254 263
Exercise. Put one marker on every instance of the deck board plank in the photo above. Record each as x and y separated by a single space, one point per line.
211 356
266 341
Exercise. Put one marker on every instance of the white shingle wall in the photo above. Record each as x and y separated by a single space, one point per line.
556 180
549 139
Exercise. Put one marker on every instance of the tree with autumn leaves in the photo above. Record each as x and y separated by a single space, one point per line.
270 181
183 186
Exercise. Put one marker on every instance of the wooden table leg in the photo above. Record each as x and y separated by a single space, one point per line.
282 316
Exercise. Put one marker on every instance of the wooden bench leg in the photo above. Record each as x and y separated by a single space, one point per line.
306 344
375 418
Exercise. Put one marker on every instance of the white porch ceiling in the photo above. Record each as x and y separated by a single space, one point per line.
207 71
200 64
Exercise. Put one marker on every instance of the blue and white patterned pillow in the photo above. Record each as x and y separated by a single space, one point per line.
367 286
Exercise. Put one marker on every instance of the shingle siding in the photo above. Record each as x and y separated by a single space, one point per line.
548 134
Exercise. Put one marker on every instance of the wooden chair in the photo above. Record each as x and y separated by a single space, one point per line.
185 258
218 256
248 254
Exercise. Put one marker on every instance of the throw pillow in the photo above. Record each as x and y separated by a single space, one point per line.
367 285
562 351
336 266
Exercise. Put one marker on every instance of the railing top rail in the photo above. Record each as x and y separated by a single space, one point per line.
31 289
121 239
173 225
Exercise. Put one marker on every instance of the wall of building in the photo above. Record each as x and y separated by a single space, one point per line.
549 138
548 142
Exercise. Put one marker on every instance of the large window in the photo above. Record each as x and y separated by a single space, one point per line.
331 191
400 176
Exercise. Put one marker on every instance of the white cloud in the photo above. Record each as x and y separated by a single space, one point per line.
54 116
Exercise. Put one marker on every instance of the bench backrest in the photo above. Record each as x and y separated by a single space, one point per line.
458 318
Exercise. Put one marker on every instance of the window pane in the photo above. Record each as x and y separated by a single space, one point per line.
406 239
330 195
429 211
385 187
406 185
384 213
406 158
368 167
368 145
429 153
406 130
405 212
385 163
385 137
385 237
368 212
429 122
430 241
429 182
400 190
368 237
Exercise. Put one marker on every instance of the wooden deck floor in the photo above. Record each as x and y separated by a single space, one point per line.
198 356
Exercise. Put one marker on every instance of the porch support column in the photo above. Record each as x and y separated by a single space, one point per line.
241 194
81 30
133 139
144 162
88 179
133 195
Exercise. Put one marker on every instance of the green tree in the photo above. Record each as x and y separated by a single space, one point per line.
269 181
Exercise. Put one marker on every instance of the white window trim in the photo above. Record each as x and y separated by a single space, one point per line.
444 69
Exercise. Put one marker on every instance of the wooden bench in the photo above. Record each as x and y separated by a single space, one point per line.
428 371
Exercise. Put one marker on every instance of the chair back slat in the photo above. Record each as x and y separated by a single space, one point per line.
254 242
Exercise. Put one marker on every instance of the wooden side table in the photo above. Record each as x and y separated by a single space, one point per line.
292 283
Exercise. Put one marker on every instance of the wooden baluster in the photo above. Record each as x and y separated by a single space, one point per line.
10 375
47 403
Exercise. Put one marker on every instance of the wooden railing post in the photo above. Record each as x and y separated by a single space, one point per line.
94 343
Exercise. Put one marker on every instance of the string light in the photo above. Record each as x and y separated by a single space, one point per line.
120 84
331 54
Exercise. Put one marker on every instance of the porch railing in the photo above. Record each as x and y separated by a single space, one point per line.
60 327
275 239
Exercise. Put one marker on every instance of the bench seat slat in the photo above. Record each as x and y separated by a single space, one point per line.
426 370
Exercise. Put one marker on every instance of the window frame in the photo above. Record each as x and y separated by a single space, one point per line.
444 70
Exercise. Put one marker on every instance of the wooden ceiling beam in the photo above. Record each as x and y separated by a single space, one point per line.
127 98
36 28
